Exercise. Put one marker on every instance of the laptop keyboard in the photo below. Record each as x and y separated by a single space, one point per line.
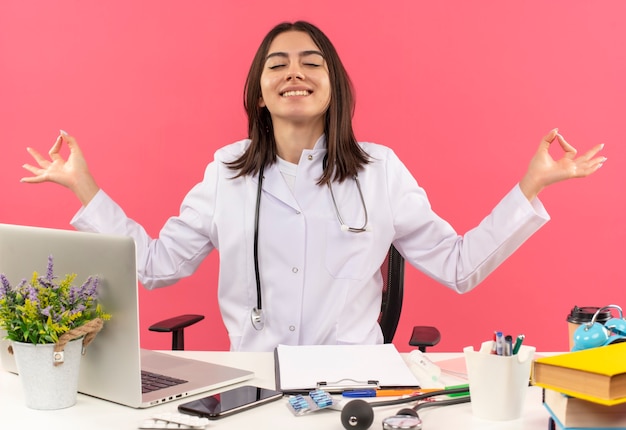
153 381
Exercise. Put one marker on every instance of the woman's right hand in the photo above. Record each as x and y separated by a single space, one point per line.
72 173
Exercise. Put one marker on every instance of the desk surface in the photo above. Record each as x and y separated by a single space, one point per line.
92 413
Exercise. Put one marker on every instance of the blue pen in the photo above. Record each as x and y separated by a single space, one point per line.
359 393
499 343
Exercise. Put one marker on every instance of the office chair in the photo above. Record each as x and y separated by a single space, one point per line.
392 271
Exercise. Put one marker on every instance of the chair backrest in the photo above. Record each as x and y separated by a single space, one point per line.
393 290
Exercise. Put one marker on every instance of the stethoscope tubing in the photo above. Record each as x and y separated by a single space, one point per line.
257 211
256 314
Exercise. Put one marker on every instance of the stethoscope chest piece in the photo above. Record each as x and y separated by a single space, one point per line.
401 422
256 316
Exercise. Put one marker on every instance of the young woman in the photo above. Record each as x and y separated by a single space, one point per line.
303 214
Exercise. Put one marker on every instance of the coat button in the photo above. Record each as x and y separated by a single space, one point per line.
292 328
294 269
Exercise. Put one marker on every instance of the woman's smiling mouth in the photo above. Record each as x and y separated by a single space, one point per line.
293 93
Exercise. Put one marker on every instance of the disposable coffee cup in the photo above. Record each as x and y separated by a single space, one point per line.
582 315
498 384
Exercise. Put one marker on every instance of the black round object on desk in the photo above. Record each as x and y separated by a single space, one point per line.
357 415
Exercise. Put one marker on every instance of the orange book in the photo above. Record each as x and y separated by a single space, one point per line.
597 374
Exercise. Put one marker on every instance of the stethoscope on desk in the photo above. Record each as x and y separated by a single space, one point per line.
359 415
256 315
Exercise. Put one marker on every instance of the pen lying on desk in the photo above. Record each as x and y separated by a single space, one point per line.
380 393
400 392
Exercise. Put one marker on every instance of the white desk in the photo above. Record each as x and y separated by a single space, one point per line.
92 413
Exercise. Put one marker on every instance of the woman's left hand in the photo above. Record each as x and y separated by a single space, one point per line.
543 170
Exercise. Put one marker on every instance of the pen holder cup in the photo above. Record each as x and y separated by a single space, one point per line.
498 384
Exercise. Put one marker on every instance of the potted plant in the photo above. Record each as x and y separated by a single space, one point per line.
45 319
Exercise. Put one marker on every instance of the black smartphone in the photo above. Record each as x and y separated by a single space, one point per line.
230 402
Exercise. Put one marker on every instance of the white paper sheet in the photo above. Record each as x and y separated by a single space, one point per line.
303 367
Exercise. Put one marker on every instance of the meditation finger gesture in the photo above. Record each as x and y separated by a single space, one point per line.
72 173
543 170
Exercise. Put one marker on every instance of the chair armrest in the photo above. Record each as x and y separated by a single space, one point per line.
424 336
176 323
176 326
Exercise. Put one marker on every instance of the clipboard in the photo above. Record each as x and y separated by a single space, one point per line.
337 368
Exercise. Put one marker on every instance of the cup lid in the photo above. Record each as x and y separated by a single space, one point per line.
580 315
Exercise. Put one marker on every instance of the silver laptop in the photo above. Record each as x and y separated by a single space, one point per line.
112 366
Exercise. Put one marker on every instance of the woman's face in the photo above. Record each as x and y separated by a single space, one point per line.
295 85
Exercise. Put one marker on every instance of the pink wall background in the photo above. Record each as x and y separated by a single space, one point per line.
462 91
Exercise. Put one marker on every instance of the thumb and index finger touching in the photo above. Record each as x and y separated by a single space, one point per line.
54 151
70 141
570 151
554 135
42 172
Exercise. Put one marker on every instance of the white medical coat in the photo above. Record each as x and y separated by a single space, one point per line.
320 285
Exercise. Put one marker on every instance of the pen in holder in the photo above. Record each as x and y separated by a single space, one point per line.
498 383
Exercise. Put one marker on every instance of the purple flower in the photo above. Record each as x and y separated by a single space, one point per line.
93 290
6 286
31 294
47 283
88 289
73 295
77 309
46 311
50 272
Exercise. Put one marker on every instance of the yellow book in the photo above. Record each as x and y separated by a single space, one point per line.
596 374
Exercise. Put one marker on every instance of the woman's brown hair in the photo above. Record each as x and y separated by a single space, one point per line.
345 156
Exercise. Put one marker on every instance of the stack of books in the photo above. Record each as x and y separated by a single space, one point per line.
584 389
573 413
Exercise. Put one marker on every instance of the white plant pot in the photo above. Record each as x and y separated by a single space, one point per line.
45 385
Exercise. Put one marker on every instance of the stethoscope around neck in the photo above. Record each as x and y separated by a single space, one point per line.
256 315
